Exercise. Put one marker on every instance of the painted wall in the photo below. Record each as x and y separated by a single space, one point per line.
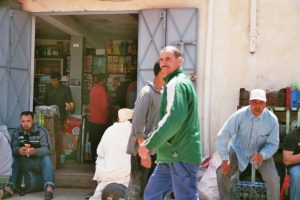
274 65
225 63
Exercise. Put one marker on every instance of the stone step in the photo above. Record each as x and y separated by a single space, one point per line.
75 176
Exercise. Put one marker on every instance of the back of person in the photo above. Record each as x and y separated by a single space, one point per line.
6 154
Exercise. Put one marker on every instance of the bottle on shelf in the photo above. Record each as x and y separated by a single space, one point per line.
294 95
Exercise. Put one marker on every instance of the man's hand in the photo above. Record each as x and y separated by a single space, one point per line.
257 158
225 167
32 151
146 162
143 151
23 151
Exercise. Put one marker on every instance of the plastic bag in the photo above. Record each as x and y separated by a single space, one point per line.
208 187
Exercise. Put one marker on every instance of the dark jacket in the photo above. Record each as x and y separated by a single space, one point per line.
38 138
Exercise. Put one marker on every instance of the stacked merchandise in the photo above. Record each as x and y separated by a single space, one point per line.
48 117
274 98
121 60
87 78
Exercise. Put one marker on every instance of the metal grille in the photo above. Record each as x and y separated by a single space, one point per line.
15 78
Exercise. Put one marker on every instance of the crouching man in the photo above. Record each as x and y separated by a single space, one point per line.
31 151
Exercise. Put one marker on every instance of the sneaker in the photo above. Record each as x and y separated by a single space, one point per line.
48 195
89 195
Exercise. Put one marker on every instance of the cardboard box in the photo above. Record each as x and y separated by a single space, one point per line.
52 124
70 147
59 141
52 142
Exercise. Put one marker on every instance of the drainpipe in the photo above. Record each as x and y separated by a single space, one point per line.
32 61
207 81
252 32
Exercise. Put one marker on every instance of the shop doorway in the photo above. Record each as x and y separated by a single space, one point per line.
121 45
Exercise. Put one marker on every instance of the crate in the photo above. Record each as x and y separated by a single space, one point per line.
274 98
249 190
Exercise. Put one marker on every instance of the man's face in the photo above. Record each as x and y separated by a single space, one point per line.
168 62
55 83
257 107
26 122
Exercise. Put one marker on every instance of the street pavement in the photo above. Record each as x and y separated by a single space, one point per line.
59 194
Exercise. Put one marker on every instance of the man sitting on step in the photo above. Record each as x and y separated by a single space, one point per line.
113 163
31 151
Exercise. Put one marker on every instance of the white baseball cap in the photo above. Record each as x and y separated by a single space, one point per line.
258 94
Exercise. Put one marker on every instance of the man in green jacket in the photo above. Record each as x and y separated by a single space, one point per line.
176 139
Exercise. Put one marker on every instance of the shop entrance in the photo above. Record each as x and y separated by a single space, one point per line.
123 46
80 46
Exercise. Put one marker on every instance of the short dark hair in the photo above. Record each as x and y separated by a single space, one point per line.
26 113
55 75
156 68
99 77
174 49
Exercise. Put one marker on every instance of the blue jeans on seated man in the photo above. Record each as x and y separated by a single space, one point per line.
38 164
294 172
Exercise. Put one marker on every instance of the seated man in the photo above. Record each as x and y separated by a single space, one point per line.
5 157
250 135
113 163
31 151
291 158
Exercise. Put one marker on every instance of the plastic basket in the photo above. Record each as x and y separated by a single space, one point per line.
245 190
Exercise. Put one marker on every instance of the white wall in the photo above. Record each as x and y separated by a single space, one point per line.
274 65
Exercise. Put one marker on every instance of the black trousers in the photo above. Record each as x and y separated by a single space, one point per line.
139 176
96 132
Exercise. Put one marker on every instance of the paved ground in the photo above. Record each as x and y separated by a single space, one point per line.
59 194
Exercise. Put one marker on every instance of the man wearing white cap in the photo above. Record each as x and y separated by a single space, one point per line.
250 135
113 163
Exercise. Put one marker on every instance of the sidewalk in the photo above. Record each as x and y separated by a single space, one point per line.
59 194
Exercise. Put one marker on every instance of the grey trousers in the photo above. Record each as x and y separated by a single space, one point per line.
267 170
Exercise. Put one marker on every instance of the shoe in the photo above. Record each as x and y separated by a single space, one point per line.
48 195
6 194
89 195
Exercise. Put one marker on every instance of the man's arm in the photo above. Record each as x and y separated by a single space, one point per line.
289 158
172 121
45 148
141 110
229 128
15 143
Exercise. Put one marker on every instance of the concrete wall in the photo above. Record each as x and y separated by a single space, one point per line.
274 65
225 63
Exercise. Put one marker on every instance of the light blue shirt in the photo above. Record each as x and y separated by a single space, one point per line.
248 134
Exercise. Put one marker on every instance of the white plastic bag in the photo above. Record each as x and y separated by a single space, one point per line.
207 186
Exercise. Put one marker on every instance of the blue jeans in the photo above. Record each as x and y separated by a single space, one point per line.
181 178
38 164
295 182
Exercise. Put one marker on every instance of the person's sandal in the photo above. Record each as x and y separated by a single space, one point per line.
48 195
7 194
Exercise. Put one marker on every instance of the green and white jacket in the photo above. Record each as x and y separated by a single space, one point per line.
177 137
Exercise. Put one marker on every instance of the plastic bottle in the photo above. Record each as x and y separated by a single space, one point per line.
22 187
294 96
